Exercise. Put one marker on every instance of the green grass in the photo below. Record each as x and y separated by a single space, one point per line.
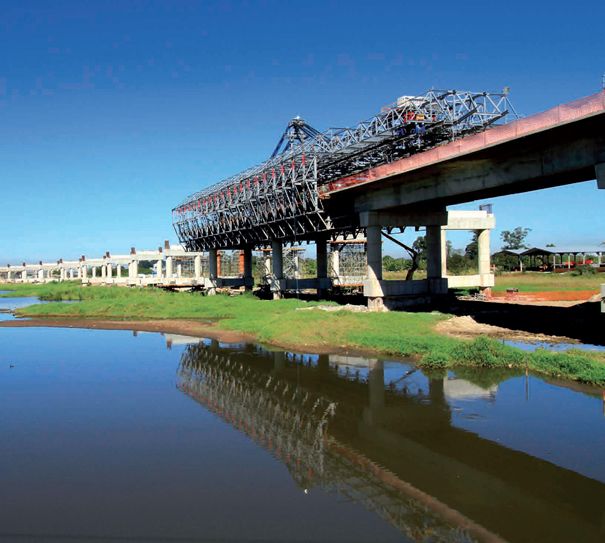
279 322
538 281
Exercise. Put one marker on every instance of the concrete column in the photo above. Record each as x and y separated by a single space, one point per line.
41 275
84 271
158 269
322 258
212 270
71 273
444 252
179 270
374 241
484 252
436 282
267 263
119 271
277 262
197 266
296 262
133 270
248 278
433 249
372 287
94 271
24 276
62 274
277 259
109 273
9 276
103 271
335 262
168 267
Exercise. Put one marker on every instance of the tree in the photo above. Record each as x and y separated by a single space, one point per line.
515 239
471 251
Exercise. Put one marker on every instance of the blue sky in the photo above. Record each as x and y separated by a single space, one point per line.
111 112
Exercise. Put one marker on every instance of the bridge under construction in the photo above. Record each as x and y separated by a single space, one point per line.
400 168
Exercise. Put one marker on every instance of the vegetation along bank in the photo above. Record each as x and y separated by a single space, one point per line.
285 324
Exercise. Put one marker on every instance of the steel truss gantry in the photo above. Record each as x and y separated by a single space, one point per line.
280 198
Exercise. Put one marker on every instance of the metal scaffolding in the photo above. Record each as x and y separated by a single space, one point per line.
280 198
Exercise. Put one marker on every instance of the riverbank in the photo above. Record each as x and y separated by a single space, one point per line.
283 324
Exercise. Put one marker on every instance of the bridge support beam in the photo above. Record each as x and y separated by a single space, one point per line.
600 175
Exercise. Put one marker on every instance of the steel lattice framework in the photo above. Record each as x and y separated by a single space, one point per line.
280 198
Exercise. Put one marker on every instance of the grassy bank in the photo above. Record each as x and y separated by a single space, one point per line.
281 322
548 282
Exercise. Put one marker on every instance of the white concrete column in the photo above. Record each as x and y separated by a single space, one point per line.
444 252
267 263
40 274
84 271
71 273
197 266
335 262
103 271
248 277
62 274
158 269
118 271
9 276
168 267
179 270
94 271
296 262
109 272
483 249
24 276
133 270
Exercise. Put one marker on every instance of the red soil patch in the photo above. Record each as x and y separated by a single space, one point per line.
547 296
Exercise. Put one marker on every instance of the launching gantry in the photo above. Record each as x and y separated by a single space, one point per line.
285 199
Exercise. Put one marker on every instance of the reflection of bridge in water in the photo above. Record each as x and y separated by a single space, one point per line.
393 450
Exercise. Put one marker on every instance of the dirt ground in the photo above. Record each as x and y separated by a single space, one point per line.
465 327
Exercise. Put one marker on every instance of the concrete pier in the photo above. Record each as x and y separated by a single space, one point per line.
383 294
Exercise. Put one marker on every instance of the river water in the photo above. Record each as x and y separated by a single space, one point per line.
134 437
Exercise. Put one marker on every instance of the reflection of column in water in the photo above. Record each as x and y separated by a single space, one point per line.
376 384
279 361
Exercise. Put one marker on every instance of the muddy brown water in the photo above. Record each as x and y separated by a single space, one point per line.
120 436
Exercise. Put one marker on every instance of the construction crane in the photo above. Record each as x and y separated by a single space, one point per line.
279 199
